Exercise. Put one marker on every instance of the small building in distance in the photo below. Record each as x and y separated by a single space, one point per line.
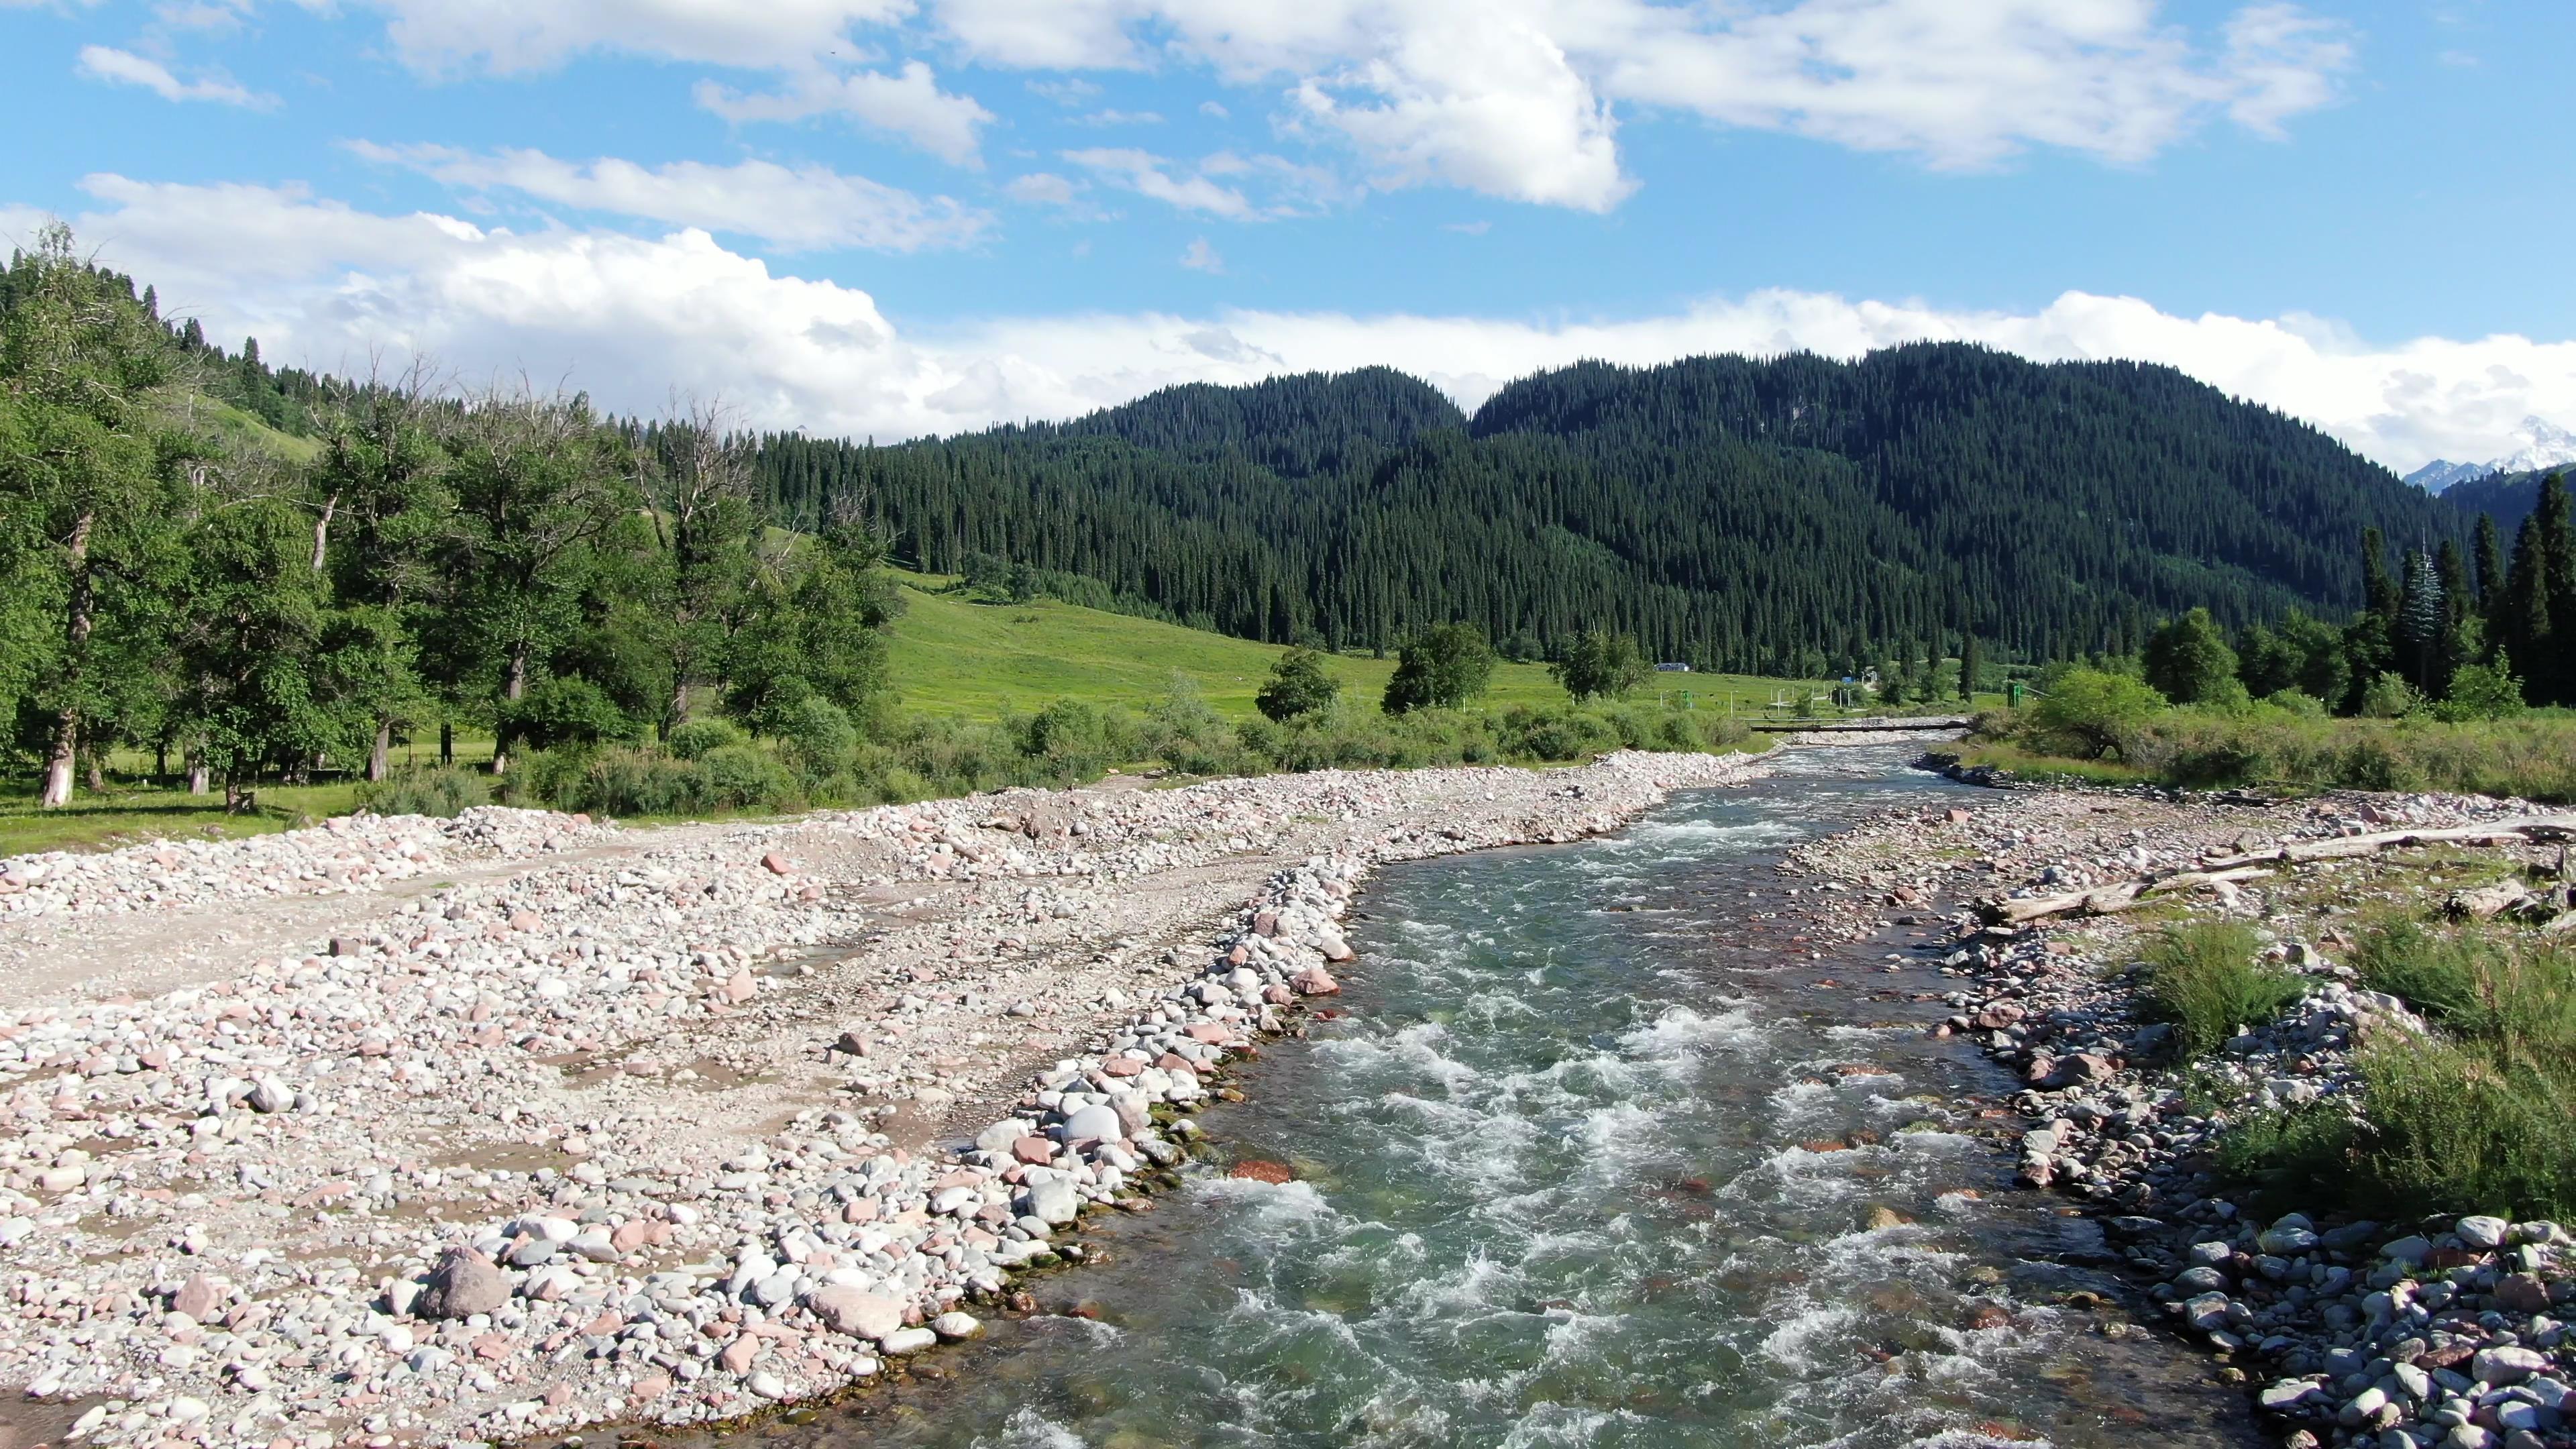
1674 667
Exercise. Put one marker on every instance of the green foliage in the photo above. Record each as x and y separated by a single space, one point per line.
1300 684
696 737
2090 714
2205 978
2188 661
1791 516
2482 691
567 710
817 736
1601 665
2389 696
2474 1120
1442 667
443 792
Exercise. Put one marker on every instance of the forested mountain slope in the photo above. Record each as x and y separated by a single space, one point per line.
1795 515
2505 497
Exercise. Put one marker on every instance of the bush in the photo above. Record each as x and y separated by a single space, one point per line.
2482 691
566 710
2090 713
817 735
625 781
695 737
1299 685
740 777
2390 697
2204 978
445 793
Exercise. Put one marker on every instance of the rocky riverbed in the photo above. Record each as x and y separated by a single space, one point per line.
2396 1335
643 1125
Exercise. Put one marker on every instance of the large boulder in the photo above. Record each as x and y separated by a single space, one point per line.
856 1311
463 1284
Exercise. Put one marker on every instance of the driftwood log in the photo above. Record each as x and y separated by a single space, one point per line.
2220 873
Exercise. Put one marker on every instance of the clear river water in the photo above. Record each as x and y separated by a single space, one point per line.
1596 1151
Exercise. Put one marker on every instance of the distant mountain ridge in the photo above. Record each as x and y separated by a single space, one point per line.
2545 445
1772 515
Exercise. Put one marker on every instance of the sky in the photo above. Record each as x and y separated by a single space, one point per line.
890 218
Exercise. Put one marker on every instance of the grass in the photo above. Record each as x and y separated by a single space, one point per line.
965 658
2531 755
970 677
2473 1120
2206 979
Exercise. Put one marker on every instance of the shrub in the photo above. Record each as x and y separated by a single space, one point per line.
695 737
2204 978
2482 691
445 793
1299 685
566 710
1442 667
740 777
2090 713
817 735
2389 696
1601 665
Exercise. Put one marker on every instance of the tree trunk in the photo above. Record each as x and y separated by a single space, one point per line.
446 743
97 773
510 694
160 758
322 530
380 759
199 781
77 619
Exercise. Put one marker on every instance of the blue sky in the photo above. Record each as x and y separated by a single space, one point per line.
899 216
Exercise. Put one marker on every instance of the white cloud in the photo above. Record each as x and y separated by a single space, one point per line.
908 103
1515 97
1198 256
796 208
1150 176
628 318
124 67
507 36
1041 188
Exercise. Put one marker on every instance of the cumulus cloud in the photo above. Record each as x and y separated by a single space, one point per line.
907 103
1041 188
630 318
124 67
793 208
1198 256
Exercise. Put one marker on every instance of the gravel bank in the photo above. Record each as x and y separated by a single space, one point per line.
2395 1335
642 1124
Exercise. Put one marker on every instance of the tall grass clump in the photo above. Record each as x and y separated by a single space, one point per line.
2205 978
445 793
2270 743
2479 1118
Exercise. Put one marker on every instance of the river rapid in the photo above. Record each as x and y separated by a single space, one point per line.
1596 1149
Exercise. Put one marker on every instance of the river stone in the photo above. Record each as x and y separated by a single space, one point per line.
1095 1121
907 1340
855 1311
2508 1365
463 1284
2481 1233
776 1289
2285 1242
953 1326
1054 1201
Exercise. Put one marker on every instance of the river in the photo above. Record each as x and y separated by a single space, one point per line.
1589 1155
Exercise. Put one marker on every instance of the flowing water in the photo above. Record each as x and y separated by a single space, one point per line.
1576 1166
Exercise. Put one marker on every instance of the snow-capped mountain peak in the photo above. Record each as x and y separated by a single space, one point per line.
2544 445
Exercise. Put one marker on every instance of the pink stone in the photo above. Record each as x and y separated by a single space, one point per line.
738 987
1033 1150
776 864
737 1355
195 1298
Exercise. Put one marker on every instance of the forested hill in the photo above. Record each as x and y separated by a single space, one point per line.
2506 497
1779 515
1310 423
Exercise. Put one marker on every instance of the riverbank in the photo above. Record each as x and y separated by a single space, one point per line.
2397 1334
657 1129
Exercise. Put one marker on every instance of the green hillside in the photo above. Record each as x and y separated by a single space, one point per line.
957 656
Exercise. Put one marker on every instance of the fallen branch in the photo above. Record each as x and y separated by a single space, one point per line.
2119 896
2536 827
